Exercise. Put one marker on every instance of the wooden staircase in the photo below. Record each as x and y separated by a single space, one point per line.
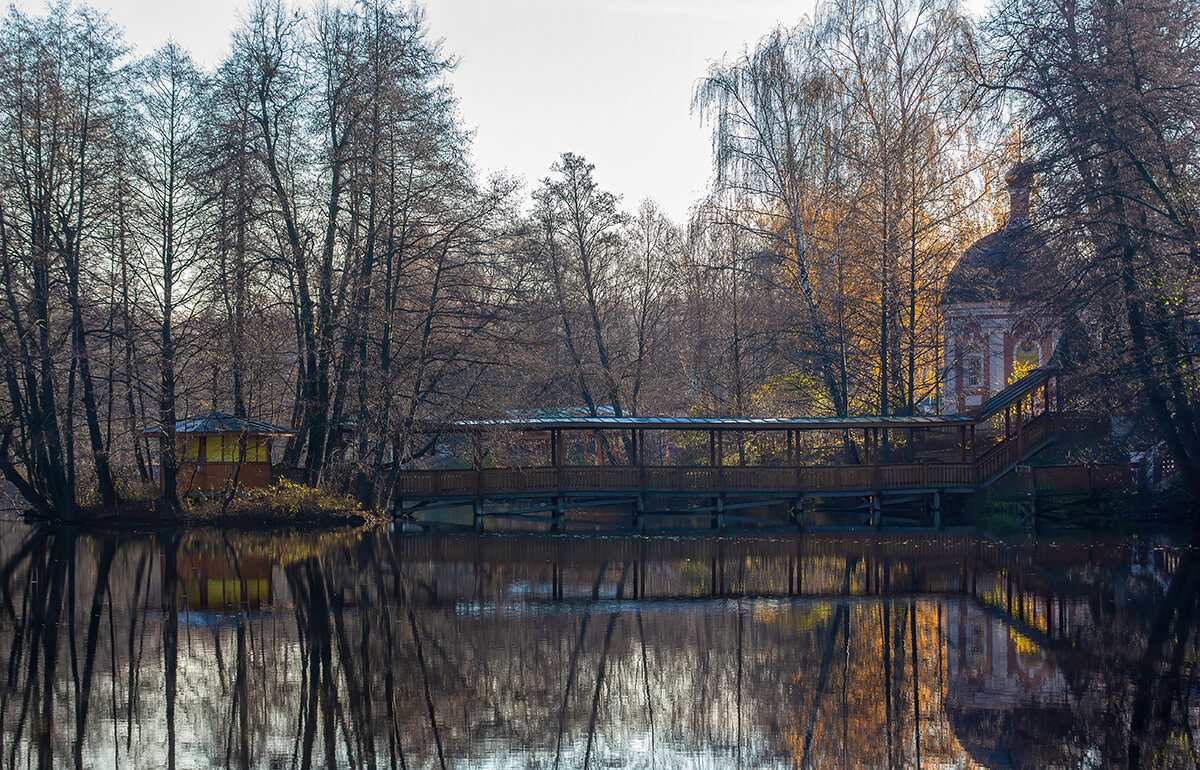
1031 438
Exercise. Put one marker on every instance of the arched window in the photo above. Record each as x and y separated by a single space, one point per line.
1027 356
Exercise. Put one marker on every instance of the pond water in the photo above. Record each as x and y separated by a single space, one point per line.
375 649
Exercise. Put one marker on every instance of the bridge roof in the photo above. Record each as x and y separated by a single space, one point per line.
719 423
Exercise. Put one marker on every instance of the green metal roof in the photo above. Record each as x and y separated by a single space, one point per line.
1015 392
219 422
719 423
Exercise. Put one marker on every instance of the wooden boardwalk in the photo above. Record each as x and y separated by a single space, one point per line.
546 493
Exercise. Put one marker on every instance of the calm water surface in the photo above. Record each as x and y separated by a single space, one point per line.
351 649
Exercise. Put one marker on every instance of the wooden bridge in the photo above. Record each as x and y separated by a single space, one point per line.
1009 429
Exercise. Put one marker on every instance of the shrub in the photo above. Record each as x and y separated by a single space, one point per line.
285 502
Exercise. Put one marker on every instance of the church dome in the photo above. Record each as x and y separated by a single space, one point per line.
1019 177
994 269
999 267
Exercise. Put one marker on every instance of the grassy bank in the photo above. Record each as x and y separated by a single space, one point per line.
284 504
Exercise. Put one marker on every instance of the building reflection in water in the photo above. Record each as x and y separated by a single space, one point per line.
211 580
357 649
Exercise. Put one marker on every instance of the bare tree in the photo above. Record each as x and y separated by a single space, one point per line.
771 111
1111 93
60 89
578 230
174 227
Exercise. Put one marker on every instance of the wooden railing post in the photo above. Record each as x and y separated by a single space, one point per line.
639 507
559 507
1020 429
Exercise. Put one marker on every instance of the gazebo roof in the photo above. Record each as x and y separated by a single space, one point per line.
219 422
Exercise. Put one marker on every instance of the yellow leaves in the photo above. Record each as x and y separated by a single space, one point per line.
1020 369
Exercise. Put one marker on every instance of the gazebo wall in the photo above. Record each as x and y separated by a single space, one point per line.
218 448
205 477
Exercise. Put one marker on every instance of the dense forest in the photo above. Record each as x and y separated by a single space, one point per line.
299 235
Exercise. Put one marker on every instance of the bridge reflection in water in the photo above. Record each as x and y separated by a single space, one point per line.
359 649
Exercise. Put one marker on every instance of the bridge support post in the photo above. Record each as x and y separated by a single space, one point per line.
1027 513
721 512
639 509
797 512
560 515
937 509
876 510
477 513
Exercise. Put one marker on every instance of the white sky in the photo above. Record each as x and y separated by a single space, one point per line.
607 79
610 80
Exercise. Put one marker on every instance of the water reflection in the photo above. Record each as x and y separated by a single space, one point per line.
353 649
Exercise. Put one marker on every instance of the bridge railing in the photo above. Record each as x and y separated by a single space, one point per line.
682 480
1070 479
1013 449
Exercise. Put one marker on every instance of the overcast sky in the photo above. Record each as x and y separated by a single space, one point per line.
607 79
610 80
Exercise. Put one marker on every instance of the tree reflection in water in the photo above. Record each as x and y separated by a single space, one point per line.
360 649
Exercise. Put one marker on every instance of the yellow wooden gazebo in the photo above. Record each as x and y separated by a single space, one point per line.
209 451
